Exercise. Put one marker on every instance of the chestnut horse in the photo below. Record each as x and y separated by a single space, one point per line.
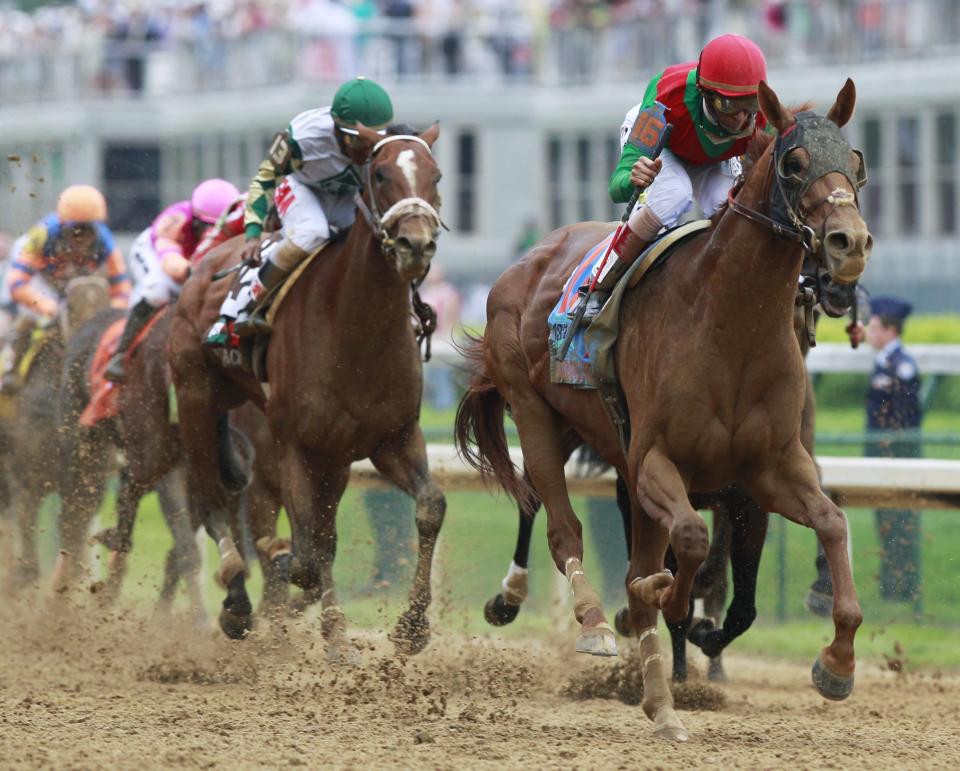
714 384
345 384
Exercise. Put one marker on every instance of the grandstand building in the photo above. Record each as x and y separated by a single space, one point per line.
536 144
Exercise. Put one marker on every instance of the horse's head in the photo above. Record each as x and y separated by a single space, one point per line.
85 297
401 193
817 179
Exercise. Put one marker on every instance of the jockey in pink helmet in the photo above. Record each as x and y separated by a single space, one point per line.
160 259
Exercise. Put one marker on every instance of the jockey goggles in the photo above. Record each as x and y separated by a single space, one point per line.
731 105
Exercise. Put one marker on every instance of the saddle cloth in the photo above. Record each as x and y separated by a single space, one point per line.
103 402
589 358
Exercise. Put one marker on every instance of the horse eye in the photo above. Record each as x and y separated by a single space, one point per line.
793 166
437 180
379 175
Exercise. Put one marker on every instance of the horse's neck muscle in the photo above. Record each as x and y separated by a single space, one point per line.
373 302
748 271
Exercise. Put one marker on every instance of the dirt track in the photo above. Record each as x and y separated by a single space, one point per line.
125 692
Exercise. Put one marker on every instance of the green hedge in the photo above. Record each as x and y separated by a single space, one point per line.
943 328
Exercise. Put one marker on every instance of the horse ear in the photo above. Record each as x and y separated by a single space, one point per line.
430 135
366 138
842 109
776 114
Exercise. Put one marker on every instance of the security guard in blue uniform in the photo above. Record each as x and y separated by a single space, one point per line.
894 416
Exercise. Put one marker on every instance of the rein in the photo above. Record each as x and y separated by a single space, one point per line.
424 313
405 207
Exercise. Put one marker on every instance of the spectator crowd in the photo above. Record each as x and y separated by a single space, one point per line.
108 44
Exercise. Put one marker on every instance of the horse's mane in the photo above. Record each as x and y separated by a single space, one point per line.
758 144
401 129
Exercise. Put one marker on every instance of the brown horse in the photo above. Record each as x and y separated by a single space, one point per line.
714 384
345 384
30 434
145 430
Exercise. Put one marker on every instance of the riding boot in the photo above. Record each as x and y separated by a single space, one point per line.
140 315
13 353
237 312
623 253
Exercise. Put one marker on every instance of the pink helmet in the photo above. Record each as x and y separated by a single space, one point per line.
211 197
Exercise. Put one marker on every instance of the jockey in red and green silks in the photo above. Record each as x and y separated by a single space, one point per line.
713 107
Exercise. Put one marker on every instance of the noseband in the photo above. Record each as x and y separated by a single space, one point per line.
784 200
379 223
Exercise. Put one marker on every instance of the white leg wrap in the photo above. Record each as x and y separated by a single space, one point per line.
515 586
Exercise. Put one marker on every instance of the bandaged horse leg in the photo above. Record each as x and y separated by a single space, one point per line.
662 493
504 607
596 637
647 547
544 454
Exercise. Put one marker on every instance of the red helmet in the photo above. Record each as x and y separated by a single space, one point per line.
731 65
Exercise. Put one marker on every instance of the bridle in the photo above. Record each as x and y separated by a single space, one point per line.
380 223
784 200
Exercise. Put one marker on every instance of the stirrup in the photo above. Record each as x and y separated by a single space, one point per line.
252 325
595 304
116 371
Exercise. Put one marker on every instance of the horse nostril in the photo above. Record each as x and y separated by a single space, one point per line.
868 245
837 242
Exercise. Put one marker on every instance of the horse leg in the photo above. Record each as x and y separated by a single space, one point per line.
663 495
262 510
792 489
82 483
208 498
183 559
747 525
711 584
312 488
119 540
647 547
404 462
27 503
621 621
544 454
678 629
503 609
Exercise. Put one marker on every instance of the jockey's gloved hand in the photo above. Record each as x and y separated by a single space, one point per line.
251 251
48 309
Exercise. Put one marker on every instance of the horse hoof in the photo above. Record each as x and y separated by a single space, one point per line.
236 626
281 566
650 589
343 653
831 685
108 538
411 634
672 733
819 603
705 636
621 623
498 612
598 641
715 670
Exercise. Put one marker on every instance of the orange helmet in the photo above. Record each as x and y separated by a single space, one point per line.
81 204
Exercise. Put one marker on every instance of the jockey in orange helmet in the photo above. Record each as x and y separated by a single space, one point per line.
714 110
72 240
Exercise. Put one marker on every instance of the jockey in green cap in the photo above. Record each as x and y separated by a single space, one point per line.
311 176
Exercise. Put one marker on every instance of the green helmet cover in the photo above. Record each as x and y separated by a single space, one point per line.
361 100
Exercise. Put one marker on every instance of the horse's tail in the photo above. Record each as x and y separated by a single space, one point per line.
479 434
235 455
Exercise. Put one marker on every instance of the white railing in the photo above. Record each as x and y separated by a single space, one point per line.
916 483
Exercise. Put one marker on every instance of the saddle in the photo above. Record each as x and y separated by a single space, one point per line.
587 362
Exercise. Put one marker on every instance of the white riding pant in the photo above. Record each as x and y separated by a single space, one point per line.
677 185
150 281
308 216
